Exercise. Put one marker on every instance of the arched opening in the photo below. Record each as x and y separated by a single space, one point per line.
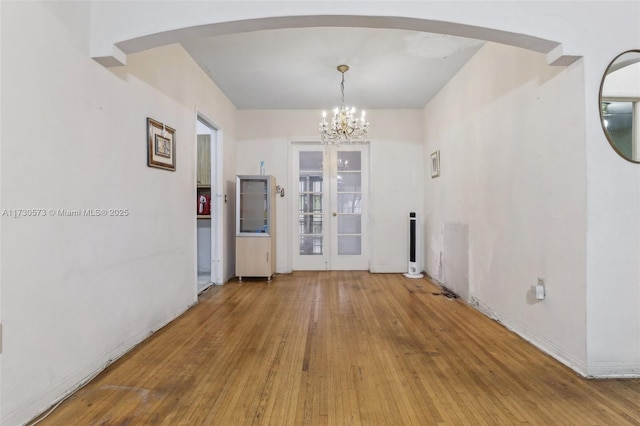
174 34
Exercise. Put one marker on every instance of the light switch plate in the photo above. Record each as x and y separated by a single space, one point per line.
540 292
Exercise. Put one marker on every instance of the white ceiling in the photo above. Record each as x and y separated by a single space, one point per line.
296 68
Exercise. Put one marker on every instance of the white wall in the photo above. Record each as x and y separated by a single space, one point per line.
510 133
190 88
613 244
80 291
395 181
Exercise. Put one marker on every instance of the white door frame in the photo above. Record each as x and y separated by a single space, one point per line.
217 200
328 259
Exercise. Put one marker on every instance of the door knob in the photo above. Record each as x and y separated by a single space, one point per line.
335 214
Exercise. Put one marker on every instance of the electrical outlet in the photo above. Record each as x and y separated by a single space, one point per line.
541 281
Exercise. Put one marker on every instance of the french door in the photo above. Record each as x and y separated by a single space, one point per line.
330 207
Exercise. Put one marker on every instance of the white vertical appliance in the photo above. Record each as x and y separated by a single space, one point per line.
414 248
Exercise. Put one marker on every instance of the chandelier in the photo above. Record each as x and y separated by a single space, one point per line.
344 127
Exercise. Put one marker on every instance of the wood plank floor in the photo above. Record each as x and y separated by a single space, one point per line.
341 348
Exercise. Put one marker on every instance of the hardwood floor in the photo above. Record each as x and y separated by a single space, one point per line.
341 348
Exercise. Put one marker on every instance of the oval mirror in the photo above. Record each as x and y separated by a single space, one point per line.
620 104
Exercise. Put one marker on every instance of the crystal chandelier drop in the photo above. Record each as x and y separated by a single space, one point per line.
344 127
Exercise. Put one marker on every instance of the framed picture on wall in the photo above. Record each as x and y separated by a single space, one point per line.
435 164
161 145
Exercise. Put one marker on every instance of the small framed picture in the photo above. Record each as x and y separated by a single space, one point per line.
161 145
435 164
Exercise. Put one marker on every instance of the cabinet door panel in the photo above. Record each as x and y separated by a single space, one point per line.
253 257
204 160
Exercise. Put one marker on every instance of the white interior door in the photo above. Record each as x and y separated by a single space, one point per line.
330 230
349 192
311 219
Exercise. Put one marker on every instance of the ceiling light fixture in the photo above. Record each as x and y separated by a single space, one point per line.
344 127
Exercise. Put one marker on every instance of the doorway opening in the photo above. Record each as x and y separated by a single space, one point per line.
208 204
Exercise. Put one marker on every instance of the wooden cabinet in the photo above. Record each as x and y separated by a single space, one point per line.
255 257
255 226
203 174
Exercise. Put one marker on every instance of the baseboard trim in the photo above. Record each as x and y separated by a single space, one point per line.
387 269
601 370
69 385
539 341
614 370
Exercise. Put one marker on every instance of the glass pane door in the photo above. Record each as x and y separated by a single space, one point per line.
254 206
329 208
349 212
349 196
310 244
310 203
